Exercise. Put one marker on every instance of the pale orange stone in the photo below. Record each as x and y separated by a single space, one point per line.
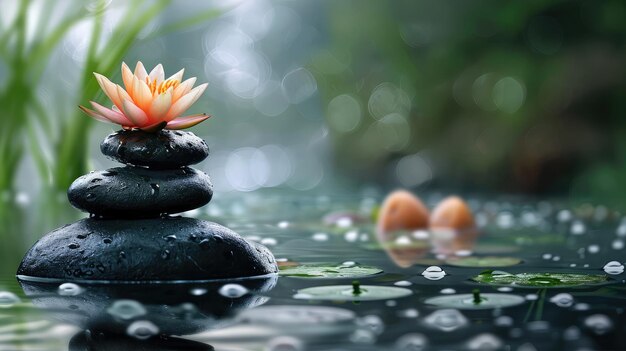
402 210
452 213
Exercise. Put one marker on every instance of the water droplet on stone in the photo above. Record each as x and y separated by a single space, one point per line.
233 290
434 273
614 268
154 189
171 237
69 289
126 309
142 330
165 254
91 197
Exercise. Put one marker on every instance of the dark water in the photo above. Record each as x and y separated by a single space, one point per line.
546 236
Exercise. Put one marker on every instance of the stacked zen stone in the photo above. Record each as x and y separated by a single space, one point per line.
130 235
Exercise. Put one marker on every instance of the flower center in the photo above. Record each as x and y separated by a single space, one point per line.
161 88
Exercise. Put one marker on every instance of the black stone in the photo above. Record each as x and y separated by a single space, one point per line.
165 149
134 192
163 249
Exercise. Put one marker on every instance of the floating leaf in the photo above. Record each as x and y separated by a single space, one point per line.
328 271
542 280
485 261
467 301
347 293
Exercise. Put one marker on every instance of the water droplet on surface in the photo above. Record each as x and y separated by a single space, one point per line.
283 225
320 237
351 236
564 216
505 289
562 300
91 197
446 320
403 283
409 313
8 299
599 323
373 323
198 291
484 342
578 228
434 273
233 290
593 249
126 309
142 330
412 342
69 289
284 343
617 244
269 241
447 291
614 268
165 254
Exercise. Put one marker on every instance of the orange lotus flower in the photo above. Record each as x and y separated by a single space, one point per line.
149 102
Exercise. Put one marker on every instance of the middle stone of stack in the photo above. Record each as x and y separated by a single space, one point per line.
156 180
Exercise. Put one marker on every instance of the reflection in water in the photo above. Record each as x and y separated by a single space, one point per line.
121 316
403 219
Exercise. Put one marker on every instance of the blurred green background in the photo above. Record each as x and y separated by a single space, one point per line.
490 97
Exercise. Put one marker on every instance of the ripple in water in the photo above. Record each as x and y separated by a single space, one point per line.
8 299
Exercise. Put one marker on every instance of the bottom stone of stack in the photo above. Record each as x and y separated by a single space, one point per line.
160 249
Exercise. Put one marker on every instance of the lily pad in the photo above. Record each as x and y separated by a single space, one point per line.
347 293
328 271
467 301
484 261
539 280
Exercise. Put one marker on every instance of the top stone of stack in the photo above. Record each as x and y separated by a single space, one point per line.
165 149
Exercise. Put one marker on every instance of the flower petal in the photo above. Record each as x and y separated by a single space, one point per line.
109 89
185 102
111 115
177 76
140 71
183 88
154 127
157 73
187 121
127 77
93 114
134 114
142 96
160 106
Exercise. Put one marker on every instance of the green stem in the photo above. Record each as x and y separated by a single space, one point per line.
540 303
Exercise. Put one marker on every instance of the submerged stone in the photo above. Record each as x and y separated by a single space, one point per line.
138 250
166 149
131 192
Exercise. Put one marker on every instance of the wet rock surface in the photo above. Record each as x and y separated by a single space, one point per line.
165 149
132 192
174 248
